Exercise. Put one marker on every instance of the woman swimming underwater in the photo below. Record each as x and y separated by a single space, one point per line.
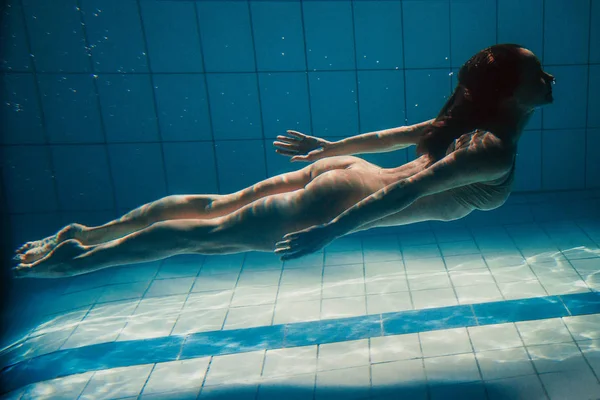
466 162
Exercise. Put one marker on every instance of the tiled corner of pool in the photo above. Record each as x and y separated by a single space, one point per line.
426 279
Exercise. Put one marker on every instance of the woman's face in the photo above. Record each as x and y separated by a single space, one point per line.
536 85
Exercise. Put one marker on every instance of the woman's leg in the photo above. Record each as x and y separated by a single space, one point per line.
257 226
168 208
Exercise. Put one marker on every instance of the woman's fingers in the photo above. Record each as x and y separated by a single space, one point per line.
297 134
286 146
291 139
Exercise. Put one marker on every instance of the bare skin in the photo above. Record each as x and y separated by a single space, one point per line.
311 196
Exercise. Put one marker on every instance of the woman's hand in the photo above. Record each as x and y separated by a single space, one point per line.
306 241
302 147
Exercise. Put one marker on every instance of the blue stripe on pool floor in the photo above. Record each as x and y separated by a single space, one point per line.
171 348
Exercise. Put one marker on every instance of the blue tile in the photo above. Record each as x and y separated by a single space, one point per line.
284 100
329 45
114 32
566 31
473 28
28 179
381 100
569 97
27 227
595 33
226 36
519 310
182 103
522 23
582 303
233 341
19 110
57 47
234 106
535 122
15 52
528 172
241 164
279 163
190 167
334 103
380 47
71 108
330 331
82 177
128 108
278 36
138 173
172 47
426 48
593 120
563 159
426 92
592 178
427 320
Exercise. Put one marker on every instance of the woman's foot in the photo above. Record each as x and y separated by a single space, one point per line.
33 251
60 262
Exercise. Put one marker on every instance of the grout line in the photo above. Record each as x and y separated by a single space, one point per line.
154 100
105 144
258 96
207 93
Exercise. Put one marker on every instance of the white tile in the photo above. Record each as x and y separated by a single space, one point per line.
388 302
543 332
256 261
459 248
207 300
563 283
464 262
180 266
343 258
117 382
521 290
343 307
235 368
66 387
287 312
557 357
308 276
222 264
200 321
452 235
425 265
392 378
523 387
47 342
247 317
420 251
308 261
177 376
416 238
169 287
382 284
343 289
254 296
124 291
571 385
299 292
259 278
513 274
296 387
353 353
494 337
436 280
445 342
506 363
353 273
290 361
471 277
384 269
584 326
500 260
394 348
135 273
452 369
146 327
211 283
433 298
354 383
344 244
94 332
591 351
478 294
